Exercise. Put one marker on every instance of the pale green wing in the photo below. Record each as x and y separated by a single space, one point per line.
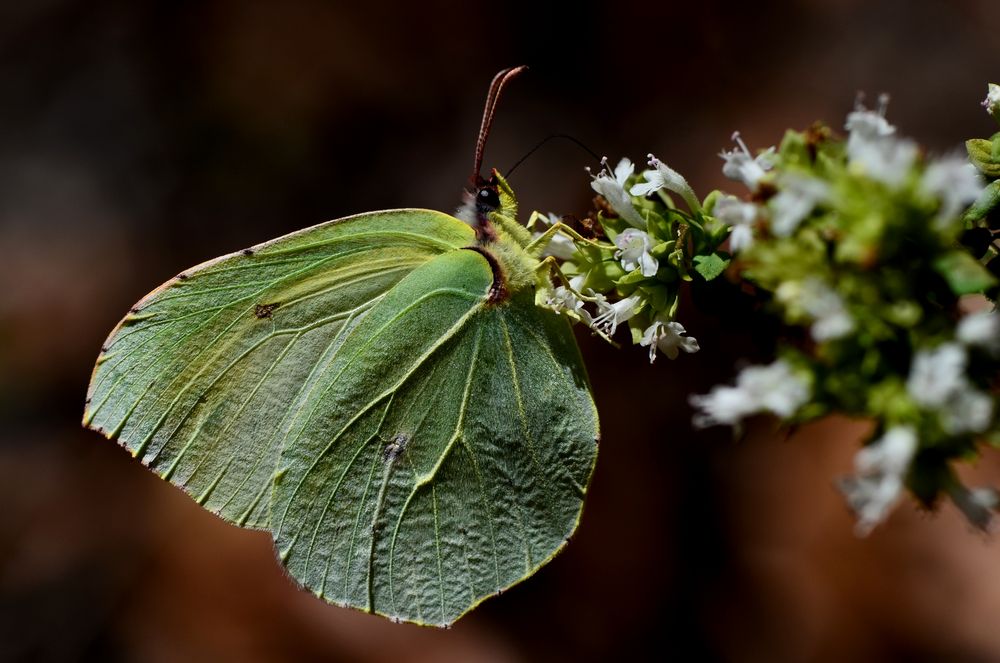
445 455
205 376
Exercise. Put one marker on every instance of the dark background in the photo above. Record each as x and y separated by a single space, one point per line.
138 138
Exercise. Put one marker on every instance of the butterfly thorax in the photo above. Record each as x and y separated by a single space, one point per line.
490 207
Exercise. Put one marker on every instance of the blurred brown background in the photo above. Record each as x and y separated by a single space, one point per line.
138 138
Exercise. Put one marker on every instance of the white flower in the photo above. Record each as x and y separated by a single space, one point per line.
937 380
872 146
992 101
954 181
722 406
775 388
566 300
870 498
977 505
982 329
613 190
866 126
797 198
888 161
935 375
664 177
559 246
743 167
667 336
611 315
881 468
827 308
967 410
633 252
740 217
890 454
821 303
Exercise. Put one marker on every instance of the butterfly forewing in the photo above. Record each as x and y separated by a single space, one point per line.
205 376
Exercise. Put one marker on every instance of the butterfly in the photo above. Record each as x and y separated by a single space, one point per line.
383 393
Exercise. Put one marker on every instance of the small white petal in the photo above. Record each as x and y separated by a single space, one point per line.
623 171
741 218
743 167
648 265
992 101
774 388
666 336
723 405
665 177
881 468
644 188
797 198
827 309
689 344
967 410
890 454
612 189
741 238
955 182
935 375
980 329
871 499
873 148
732 211
633 252
866 126
612 315
671 340
566 300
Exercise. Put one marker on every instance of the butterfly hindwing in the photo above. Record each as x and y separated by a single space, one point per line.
447 461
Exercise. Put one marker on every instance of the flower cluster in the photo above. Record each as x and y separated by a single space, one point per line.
873 256
652 247
874 259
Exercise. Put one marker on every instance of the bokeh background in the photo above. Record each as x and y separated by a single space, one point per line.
138 138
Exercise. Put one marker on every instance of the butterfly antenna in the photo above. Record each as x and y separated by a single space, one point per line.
496 87
545 140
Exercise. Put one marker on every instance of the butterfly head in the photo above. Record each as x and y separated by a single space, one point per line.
484 202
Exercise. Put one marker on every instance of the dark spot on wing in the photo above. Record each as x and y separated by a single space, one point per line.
248 252
182 277
264 310
396 447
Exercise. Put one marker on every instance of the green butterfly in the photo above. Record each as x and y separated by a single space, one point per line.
381 392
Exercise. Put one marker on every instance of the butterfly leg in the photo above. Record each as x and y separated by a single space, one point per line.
537 245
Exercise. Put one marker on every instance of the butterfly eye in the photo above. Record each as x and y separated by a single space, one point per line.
488 198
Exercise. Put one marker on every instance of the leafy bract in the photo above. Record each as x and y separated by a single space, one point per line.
413 446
